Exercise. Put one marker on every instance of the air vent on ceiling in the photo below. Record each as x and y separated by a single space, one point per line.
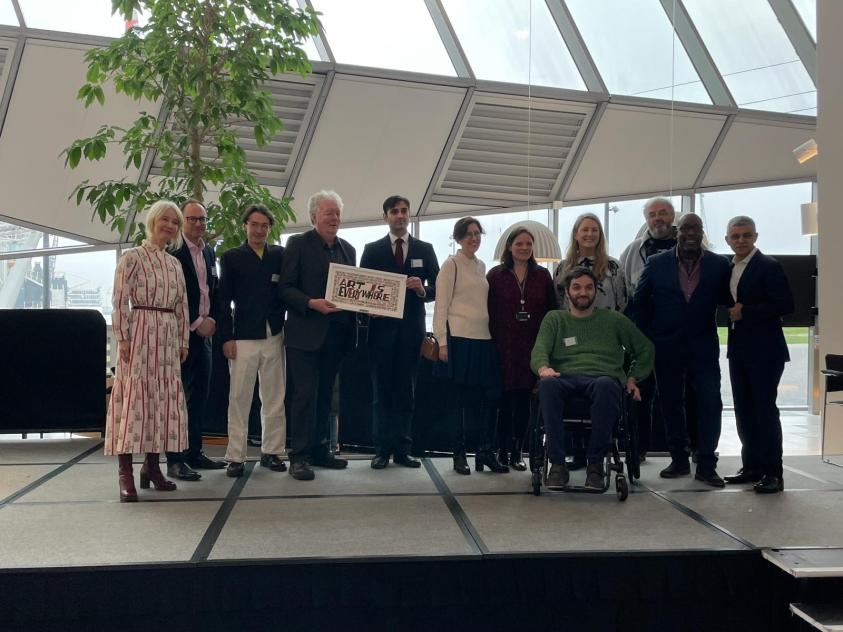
271 164
505 150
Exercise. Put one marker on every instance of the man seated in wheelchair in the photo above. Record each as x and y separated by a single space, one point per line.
580 351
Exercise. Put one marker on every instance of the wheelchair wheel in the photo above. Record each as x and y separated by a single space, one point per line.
537 483
621 488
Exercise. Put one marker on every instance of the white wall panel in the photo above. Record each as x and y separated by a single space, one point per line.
638 150
376 138
759 151
44 117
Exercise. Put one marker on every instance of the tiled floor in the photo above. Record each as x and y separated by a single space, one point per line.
59 507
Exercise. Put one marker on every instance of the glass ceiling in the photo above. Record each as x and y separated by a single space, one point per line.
7 13
515 41
754 55
655 66
379 35
632 44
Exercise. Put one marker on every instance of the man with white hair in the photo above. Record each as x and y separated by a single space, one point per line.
318 334
660 236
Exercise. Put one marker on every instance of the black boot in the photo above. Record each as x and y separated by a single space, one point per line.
515 459
489 459
461 463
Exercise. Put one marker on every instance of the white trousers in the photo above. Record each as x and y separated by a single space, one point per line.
264 358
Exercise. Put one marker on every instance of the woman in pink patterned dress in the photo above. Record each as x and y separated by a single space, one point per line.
147 412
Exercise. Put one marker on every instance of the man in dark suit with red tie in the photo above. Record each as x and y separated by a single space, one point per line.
200 278
757 352
394 343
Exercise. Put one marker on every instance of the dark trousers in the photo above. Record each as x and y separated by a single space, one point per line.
513 415
755 386
310 384
476 417
677 365
196 380
644 412
605 395
393 371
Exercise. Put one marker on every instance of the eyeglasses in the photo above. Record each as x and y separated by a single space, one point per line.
196 220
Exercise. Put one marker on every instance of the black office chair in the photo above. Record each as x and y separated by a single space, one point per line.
833 372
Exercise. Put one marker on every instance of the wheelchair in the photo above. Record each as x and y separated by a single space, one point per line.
577 422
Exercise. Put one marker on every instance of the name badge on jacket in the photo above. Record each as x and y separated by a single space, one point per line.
416 263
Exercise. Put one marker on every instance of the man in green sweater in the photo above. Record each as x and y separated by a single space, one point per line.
581 352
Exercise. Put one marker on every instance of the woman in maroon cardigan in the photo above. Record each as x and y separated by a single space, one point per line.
520 294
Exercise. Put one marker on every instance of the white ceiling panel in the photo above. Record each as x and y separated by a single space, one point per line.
639 150
44 117
451 208
760 151
376 138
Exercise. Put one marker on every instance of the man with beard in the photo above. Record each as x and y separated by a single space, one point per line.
660 236
675 304
581 352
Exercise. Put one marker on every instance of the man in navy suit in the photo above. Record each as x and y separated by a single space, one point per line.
675 304
319 334
757 352
200 279
394 343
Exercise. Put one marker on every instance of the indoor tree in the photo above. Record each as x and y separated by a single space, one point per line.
205 63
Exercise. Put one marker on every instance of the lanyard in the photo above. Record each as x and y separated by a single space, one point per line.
521 285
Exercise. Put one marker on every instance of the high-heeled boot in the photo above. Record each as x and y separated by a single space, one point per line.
151 473
503 448
516 461
126 479
461 463
489 459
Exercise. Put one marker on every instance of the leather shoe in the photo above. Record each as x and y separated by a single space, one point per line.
406 460
461 465
676 469
182 472
234 469
558 476
379 462
330 462
273 462
743 476
301 471
709 477
769 485
202 462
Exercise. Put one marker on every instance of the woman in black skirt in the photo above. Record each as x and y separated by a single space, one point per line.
467 355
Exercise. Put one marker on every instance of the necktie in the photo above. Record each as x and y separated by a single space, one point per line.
399 252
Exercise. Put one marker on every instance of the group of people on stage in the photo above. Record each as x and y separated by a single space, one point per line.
597 327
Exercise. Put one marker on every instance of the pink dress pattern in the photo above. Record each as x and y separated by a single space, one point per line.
147 411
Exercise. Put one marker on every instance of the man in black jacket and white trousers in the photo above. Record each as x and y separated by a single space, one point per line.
318 334
757 351
200 277
253 342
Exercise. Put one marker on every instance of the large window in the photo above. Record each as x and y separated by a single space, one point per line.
515 41
654 65
774 209
359 236
92 17
7 13
808 12
384 34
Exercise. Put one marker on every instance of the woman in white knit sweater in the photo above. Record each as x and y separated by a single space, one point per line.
467 355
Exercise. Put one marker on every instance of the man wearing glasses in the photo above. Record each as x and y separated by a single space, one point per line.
198 263
252 341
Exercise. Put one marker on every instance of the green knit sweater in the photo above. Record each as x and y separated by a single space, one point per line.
593 345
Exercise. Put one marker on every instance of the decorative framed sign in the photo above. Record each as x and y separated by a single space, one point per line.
366 291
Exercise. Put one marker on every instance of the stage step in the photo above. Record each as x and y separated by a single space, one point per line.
819 616
807 563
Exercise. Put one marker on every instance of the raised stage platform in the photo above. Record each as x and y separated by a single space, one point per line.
396 549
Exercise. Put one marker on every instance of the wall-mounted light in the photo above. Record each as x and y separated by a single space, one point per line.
805 151
809 218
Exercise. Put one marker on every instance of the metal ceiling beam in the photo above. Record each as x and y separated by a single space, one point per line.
449 38
460 119
715 148
19 13
574 164
576 46
52 252
320 41
798 34
11 78
698 53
